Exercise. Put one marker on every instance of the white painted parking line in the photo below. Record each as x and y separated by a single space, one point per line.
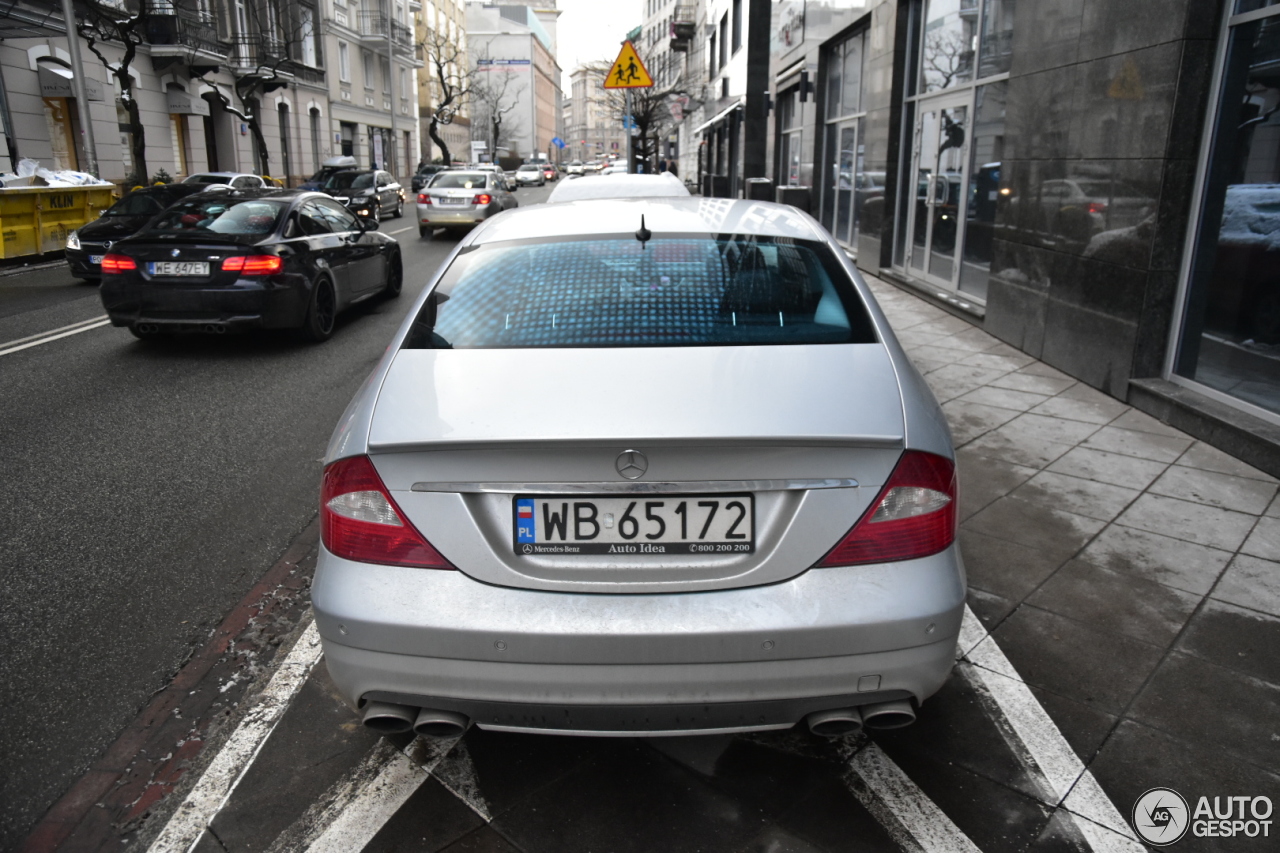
236 756
358 806
458 774
1069 783
53 335
399 231
910 817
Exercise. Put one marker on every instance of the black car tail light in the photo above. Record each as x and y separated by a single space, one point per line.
254 264
117 263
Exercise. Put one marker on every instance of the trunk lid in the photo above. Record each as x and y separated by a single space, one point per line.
809 432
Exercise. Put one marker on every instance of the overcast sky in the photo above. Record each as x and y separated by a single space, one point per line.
589 30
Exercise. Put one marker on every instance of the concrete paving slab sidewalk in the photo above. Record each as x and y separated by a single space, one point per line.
1125 591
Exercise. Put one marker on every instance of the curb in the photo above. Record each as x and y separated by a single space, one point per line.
153 752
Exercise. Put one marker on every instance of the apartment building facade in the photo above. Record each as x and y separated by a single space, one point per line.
259 86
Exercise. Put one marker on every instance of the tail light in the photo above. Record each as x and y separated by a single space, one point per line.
483 198
254 264
117 263
1096 207
913 516
360 521
423 198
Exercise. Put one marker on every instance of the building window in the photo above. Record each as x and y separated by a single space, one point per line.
315 138
852 191
344 62
712 54
1229 340
737 25
366 60
724 40
286 163
307 34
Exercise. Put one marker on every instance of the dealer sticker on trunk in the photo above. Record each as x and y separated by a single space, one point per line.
668 524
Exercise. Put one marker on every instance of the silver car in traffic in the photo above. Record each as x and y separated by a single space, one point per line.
457 200
643 467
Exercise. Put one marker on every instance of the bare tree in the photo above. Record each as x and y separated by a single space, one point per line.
101 22
451 81
264 60
650 112
947 59
494 94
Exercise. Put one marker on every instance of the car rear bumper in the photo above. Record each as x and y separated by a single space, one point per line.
441 216
248 304
753 658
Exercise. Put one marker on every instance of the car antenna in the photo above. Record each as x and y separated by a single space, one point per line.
643 234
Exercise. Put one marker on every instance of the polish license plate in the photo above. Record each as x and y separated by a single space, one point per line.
95 259
455 201
178 267
645 524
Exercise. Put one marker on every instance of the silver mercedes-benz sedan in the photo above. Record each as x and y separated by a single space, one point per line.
651 466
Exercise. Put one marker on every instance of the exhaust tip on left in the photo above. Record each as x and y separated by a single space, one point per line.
835 723
389 719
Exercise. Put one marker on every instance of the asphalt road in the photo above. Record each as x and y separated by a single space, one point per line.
146 488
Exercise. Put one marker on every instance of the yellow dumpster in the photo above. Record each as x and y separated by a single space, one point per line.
35 220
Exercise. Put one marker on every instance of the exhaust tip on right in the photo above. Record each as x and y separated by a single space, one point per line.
433 723
888 715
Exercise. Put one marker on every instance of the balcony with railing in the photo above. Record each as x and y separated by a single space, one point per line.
272 57
189 35
378 28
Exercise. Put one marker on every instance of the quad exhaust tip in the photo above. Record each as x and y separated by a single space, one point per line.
389 718
888 715
432 723
835 723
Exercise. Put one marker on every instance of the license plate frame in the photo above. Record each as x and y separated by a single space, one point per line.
737 535
178 269
96 259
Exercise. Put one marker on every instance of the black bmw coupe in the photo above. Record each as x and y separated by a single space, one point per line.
243 259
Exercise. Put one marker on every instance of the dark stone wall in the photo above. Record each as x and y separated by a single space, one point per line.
1111 95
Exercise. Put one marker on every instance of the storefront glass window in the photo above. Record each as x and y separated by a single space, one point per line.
843 175
834 72
949 38
851 100
996 53
1231 327
986 151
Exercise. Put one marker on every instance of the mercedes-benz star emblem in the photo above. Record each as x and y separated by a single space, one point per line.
632 464
175 252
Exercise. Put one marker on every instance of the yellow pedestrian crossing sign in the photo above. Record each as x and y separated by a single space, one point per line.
628 72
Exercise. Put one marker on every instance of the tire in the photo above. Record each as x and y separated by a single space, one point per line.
322 311
424 232
399 208
395 277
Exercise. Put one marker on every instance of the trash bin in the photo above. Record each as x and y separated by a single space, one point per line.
760 189
36 220
794 196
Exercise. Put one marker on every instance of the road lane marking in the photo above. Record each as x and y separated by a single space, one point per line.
1070 784
399 231
188 824
53 334
356 807
905 812
458 774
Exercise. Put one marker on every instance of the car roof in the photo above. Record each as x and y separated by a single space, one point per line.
225 175
620 185
691 215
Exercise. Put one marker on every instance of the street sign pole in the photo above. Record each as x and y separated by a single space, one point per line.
627 126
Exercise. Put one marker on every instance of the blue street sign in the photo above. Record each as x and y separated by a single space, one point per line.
557 142
628 122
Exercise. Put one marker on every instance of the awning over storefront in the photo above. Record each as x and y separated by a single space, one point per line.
55 82
720 116
183 103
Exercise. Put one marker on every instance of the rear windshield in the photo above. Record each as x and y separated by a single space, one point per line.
618 292
221 216
136 204
459 181
350 181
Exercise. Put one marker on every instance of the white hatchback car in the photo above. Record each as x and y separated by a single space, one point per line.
651 466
